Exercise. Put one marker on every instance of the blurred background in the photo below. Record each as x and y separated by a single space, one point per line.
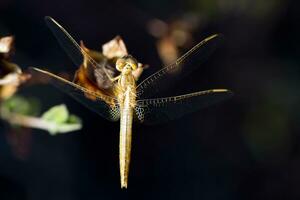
245 148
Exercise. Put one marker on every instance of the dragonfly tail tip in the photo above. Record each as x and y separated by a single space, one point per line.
124 186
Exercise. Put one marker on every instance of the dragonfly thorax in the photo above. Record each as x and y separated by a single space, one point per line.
126 80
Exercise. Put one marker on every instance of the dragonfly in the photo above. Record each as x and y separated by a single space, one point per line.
116 94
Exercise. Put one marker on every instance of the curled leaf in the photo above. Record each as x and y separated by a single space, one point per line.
57 114
60 120
114 48
11 75
6 46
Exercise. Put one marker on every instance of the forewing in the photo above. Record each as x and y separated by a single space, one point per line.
105 106
77 53
160 110
165 77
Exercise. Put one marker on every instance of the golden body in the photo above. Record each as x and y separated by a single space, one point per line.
126 94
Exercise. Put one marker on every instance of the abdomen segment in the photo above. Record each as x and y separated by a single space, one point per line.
125 139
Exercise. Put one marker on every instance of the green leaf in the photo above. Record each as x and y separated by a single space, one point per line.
60 120
21 105
73 119
58 114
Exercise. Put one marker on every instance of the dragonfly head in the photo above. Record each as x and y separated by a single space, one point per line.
126 64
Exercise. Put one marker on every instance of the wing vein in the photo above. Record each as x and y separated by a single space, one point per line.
50 20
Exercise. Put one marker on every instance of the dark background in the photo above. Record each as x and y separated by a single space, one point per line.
245 148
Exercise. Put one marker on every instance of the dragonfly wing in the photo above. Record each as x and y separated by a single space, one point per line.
78 54
165 77
104 105
160 110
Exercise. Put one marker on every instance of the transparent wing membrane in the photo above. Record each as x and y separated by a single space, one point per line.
73 49
160 110
103 105
165 77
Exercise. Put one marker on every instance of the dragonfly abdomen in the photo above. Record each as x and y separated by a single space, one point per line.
125 136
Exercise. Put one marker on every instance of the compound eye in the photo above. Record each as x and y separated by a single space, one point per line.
132 63
120 64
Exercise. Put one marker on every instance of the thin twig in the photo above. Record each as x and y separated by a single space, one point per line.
38 123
